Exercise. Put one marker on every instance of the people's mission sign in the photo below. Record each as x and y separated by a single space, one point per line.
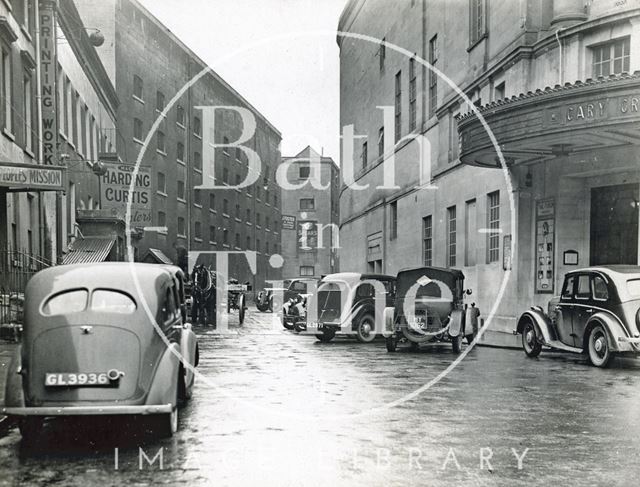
114 192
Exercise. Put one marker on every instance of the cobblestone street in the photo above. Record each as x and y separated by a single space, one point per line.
276 408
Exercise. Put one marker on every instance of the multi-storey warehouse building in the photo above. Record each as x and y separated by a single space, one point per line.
310 216
557 82
149 66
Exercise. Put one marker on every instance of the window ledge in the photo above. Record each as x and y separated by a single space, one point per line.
199 171
181 200
140 100
25 31
29 152
212 242
161 152
8 134
197 136
161 193
225 215
181 162
62 135
181 236
138 141
196 239
197 205
162 232
249 223
181 125
238 220
478 41
160 113
213 211
8 4
226 246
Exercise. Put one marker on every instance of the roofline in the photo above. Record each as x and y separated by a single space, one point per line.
197 58
87 56
348 15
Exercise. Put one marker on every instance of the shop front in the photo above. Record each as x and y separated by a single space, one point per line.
573 155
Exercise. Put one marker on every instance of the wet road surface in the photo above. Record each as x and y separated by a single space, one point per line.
276 408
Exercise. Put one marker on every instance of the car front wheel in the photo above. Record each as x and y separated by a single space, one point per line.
392 344
366 329
456 343
530 343
600 353
326 336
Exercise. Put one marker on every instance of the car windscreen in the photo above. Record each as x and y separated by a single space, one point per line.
110 301
72 301
633 288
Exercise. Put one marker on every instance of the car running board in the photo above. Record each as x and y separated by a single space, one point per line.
561 346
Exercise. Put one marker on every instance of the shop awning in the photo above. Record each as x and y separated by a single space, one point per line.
542 125
89 249
157 256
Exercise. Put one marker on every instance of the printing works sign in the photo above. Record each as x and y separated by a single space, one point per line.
29 177
48 81
114 192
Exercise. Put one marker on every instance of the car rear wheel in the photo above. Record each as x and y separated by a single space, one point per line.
456 343
600 353
392 344
241 309
530 344
366 328
326 336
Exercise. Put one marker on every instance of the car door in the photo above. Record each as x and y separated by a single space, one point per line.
565 310
583 308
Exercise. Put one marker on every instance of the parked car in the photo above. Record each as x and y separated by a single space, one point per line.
294 301
346 304
439 313
264 299
102 339
597 314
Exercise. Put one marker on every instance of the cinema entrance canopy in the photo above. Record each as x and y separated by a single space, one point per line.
545 124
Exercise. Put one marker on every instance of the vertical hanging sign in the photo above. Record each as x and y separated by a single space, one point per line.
48 81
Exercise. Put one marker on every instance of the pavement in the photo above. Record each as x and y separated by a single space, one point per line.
273 407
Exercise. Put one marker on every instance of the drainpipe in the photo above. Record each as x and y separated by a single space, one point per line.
560 65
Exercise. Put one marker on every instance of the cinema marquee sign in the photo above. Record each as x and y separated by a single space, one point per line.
29 177
589 110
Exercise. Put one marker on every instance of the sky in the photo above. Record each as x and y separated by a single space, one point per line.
280 55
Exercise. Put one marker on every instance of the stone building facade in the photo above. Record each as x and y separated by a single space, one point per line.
159 119
310 216
556 82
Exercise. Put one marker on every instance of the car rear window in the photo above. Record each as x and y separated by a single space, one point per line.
633 287
66 302
110 301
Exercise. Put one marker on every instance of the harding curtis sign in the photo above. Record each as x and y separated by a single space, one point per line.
114 192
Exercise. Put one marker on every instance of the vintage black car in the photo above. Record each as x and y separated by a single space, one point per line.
264 299
102 340
346 303
429 308
597 314
294 301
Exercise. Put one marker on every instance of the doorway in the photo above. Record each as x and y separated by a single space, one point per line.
614 225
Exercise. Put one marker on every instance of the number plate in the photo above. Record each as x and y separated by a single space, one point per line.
313 325
236 287
66 379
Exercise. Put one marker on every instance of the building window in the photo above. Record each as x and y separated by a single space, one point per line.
180 152
381 142
499 91
181 190
137 129
237 240
225 206
238 180
197 161
180 115
162 183
412 95
197 198
225 175
248 243
161 145
159 101
212 233
248 216
451 236
493 223
212 201
611 58
162 219
27 100
225 237
477 16
398 106
365 155
7 92
197 126
427 241
197 231
267 223
382 53
138 87
238 154
307 270
258 219
393 220
307 203
238 211
433 78
304 171
181 227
